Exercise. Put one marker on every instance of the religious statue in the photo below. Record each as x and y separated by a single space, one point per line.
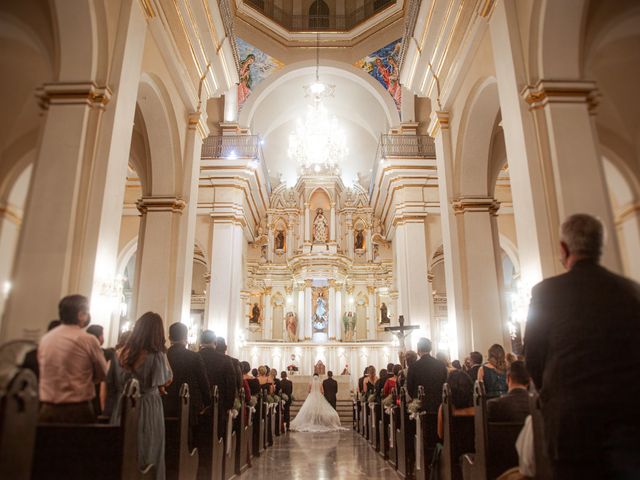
320 314
319 368
359 240
320 227
384 317
291 324
279 240
349 322
255 314
346 370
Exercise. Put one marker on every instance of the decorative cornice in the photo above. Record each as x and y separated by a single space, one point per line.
439 121
81 93
627 212
198 121
11 213
561 91
160 204
308 283
486 8
476 205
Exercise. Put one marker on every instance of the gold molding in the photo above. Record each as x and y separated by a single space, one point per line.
627 212
160 204
147 8
545 92
11 214
475 205
486 9
73 93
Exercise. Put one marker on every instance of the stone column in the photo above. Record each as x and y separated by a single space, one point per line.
371 324
339 312
410 252
536 222
459 331
196 132
10 220
333 313
291 247
349 227
307 223
155 259
308 309
271 244
563 109
231 105
267 331
302 321
225 308
480 249
369 245
332 231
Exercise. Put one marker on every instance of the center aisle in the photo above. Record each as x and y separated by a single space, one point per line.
320 456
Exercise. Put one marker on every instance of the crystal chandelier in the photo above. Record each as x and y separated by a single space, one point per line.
318 142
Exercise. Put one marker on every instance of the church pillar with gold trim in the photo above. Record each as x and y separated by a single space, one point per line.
371 327
563 110
333 312
156 256
267 330
69 237
483 288
308 309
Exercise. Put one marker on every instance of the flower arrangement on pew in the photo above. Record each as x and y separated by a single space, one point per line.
415 408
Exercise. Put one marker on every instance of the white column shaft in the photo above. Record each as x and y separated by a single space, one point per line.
332 313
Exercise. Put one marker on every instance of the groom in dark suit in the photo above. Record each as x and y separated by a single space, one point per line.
330 389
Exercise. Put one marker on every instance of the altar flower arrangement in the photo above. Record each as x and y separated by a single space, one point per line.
292 368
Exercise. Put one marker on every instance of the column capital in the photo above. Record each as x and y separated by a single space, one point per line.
267 290
439 121
476 205
160 204
198 122
371 289
308 283
332 283
561 91
73 93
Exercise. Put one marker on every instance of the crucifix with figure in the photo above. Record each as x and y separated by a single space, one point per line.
401 332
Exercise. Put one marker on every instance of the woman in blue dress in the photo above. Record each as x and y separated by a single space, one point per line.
143 357
494 372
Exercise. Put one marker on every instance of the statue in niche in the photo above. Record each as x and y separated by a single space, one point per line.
349 323
320 314
320 227
279 240
319 368
384 314
291 324
255 314
359 240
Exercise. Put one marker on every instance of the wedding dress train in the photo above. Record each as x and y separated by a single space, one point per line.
316 414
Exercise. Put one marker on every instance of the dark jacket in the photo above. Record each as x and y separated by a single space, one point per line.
286 386
187 367
582 350
431 374
222 373
512 407
330 388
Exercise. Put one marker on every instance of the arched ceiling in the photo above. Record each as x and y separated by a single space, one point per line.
362 111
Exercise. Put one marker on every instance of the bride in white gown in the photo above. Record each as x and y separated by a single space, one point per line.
316 414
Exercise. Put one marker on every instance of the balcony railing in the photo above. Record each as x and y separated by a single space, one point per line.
402 146
320 22
231 147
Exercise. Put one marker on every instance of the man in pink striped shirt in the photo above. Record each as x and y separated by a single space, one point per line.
71 363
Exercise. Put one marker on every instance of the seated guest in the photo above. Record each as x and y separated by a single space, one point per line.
71 363
370 381
514 406
461 387
187 367
428 372
456 364
31 358
245 368
221 347
144 358
380 385
254 372
252 381
263 378
494 372
390 384
221 373
112 387
273 377
389 368
98 332
476 362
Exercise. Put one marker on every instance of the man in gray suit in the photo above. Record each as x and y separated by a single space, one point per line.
514 406
582 349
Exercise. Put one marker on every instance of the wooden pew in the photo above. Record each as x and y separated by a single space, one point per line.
259 427
376 415
543 465
279 423
356 416
94 451
393 420
458 438
230 446
181 462
363 417
383 434
495 443
271 426
405 438
243 434
425 440
18 422
211 446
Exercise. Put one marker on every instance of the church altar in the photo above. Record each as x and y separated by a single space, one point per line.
334 355
301 386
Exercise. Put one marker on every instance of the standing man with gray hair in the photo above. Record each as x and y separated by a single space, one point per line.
582 348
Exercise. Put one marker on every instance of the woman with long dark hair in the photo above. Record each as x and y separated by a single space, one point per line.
494 372
144 358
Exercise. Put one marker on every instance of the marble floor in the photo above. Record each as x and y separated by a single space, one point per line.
320 456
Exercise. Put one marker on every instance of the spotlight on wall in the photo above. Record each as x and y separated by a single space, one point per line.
6 287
